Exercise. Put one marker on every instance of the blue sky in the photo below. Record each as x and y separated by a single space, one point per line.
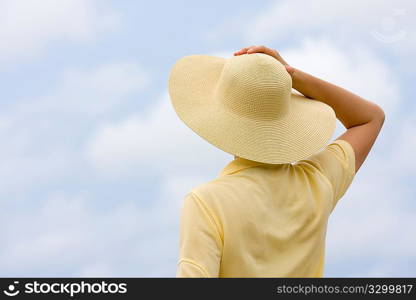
94 162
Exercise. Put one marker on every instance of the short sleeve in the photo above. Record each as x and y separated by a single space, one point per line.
200 245
337 163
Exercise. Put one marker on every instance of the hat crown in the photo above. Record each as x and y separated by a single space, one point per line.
256 86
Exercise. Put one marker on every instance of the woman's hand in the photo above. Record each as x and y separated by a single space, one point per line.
265 50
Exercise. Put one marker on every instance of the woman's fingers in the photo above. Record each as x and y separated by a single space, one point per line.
263 49
289 69
243 50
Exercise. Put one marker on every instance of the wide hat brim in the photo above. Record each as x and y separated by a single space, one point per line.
305 130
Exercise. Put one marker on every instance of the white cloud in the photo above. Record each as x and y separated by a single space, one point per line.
403 140
159 142
96 91
368 220
27 27
40 136
69 235
372 223
382 22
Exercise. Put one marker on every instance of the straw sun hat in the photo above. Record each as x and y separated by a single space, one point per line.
244 105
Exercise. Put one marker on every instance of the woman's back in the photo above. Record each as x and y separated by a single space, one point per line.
263 220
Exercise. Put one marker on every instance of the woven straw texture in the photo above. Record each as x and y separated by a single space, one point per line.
244 105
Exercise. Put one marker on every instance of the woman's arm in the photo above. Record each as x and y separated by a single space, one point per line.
362 119
351 109
200 242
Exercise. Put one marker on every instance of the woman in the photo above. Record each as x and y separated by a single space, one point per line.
266 213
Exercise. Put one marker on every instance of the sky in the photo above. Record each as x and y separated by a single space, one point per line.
95 163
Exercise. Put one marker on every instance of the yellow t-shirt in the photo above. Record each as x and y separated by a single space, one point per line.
264 220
